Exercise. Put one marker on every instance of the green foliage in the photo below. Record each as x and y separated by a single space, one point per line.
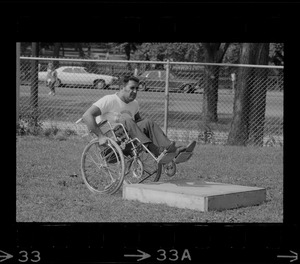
189 52
29 124
232 55
185 52
70 132
276 54
58 134
192 52
51 131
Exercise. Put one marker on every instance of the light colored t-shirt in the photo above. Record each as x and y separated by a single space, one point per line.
51 75
114 109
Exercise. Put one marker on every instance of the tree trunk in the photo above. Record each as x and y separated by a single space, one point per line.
257 95
147 67
63 49
247 124
80 51
34 83
56 54
213 53
210 96
239 125
127 49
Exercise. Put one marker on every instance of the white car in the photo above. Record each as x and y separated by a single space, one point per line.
80 76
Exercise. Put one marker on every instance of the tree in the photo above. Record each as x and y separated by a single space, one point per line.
80 50
213 53
63 49
276 53
185 52
191 52
34 82
250 97
128 48
24 47
232 54
56 54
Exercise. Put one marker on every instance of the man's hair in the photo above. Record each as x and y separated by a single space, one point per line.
126 79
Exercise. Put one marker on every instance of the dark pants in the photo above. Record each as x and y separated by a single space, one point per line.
52 87
147 131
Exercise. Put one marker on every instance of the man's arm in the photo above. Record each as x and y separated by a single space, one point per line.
89 118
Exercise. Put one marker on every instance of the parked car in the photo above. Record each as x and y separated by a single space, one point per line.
156 80
80 76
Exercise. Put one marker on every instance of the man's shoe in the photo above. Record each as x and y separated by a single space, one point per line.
190 147
180 149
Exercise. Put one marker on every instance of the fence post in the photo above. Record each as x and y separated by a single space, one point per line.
18 81
167 98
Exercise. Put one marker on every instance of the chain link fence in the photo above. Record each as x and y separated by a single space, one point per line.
190 101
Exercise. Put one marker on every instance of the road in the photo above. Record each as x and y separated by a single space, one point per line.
151 101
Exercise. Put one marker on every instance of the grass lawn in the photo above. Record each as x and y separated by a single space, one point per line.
48 189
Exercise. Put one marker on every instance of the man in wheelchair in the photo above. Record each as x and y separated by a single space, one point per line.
122 107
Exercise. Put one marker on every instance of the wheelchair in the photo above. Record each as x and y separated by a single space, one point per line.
123 160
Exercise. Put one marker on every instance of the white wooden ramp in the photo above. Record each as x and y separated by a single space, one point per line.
195 195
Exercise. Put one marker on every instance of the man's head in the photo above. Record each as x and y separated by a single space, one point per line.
129 88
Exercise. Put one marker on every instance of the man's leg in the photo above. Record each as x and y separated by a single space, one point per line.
158 137
134 131
154 132
52 88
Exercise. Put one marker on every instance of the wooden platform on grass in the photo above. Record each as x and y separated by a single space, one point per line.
196 195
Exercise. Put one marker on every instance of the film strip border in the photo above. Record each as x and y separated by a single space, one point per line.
151 243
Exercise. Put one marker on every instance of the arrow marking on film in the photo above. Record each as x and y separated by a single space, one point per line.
295 257
5 256
142 257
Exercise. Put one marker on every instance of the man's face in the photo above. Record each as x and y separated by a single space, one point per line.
130 91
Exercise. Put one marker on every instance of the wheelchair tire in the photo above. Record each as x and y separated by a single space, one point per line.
102 167
158 173
170 168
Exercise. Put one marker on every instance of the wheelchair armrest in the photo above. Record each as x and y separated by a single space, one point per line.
99 124
102 123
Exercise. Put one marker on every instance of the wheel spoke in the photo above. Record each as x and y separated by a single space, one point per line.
111 171
98 153
97 164
103 167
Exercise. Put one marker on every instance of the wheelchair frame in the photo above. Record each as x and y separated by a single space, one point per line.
134 171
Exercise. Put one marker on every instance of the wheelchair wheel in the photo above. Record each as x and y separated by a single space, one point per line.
135 172
102 167
151 169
